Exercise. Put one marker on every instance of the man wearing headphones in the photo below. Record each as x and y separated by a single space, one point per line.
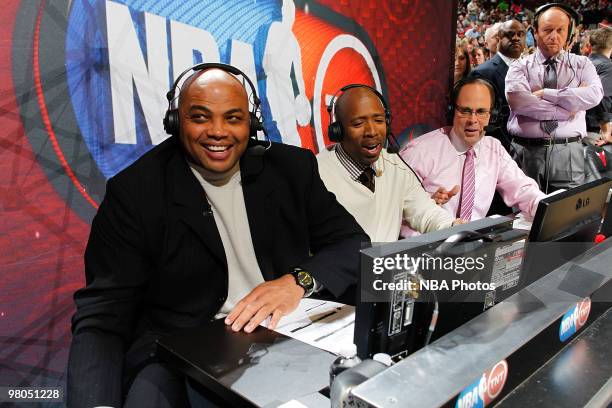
462 167
371 183
201 225
548 93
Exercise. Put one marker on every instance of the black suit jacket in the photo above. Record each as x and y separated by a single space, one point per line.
494 71
155 262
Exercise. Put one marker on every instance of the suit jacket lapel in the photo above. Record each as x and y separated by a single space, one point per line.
262 209
191 205
500 73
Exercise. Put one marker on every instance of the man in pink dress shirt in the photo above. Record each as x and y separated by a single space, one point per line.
440 158
548 93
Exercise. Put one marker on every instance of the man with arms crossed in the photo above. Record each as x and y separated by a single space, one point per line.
548 93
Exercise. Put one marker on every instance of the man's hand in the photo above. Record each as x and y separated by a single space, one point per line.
277 298
539 94
459 221
603 141
442 195
605 135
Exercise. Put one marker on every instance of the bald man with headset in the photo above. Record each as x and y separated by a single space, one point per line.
374 185
548 93
207 224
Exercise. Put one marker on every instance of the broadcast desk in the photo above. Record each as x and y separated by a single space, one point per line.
265 370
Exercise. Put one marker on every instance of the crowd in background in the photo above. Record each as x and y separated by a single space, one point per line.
494 35
479 20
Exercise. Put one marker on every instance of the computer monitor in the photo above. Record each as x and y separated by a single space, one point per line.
565 226
397 321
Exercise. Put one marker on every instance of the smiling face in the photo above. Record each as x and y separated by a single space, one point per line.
364 128
477 98
214 122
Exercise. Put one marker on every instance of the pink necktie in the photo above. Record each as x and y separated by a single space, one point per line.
467 186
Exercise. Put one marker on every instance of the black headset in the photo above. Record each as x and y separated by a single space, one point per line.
450 111
334 129
171 119
571 13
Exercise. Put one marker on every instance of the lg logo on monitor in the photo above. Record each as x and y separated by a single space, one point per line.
582 203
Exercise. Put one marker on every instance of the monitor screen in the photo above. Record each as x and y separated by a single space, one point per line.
397 321
564 227
573 215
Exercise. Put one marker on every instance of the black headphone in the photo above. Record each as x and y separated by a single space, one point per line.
171 119
450 111
334 130
570 12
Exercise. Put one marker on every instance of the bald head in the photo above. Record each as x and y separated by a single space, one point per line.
214 122
361 115
216 79
552 30
349 99
512 38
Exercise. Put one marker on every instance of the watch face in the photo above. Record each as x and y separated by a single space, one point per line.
304 279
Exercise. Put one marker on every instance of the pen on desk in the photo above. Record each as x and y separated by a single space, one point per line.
334 331
315 306
325 316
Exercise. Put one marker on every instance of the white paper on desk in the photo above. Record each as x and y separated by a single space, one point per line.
327 325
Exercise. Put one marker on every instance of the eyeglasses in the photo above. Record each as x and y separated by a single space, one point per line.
464 112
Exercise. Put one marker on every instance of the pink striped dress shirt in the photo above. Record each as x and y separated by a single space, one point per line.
438 156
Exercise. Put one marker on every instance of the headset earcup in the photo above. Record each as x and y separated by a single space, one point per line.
255 125
334 132
450 114
171 122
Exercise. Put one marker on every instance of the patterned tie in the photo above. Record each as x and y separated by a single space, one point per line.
367 178
467 186
550 82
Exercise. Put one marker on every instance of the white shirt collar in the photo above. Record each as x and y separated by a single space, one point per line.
507 60
460 146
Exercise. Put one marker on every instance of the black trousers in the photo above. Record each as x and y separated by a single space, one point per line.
158 386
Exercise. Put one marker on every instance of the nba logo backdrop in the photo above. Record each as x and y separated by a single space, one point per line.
83 96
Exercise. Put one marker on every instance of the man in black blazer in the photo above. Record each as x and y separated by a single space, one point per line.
162 243
511 44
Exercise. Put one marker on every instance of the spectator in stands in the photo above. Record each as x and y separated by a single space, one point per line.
477 56
491 39
472 9
511 44
462 63
473 32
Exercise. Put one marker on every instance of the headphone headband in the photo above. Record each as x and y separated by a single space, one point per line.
171 119
467 81
571 13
